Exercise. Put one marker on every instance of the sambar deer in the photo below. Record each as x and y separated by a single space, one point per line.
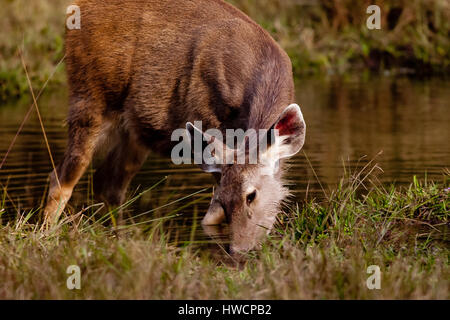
139 69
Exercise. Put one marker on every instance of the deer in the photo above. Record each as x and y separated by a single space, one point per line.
139 69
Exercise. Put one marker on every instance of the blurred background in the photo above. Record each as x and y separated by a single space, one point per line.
363 92
321 36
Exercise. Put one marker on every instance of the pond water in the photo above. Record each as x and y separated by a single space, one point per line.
349 121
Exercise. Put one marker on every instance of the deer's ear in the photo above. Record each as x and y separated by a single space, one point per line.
207 149
286 136
290 131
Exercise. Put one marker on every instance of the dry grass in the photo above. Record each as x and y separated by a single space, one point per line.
320 36
332 37
37 28
320 250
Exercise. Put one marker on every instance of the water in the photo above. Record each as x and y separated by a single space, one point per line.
349 121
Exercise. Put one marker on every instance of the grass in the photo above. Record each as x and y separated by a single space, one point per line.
320 250
36 28
332 36
321 37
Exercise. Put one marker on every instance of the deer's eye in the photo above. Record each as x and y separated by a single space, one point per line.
251 197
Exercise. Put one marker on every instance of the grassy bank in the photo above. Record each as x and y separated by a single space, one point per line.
36 28
319 250
321 37
332 36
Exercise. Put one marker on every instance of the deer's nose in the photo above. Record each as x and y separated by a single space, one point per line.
238 256
232 251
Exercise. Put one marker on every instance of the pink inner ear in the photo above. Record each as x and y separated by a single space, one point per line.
288 125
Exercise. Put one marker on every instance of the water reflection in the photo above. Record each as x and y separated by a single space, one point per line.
350 120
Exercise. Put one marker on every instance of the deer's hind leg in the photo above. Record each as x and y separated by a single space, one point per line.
84 122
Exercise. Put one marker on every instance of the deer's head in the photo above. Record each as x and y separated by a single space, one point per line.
249 195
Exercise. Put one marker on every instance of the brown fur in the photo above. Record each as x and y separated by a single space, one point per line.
143 68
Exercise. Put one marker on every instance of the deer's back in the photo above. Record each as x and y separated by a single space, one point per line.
163 63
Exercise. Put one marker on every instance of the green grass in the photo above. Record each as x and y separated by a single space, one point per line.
321 37
332 37
320 250
37 29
